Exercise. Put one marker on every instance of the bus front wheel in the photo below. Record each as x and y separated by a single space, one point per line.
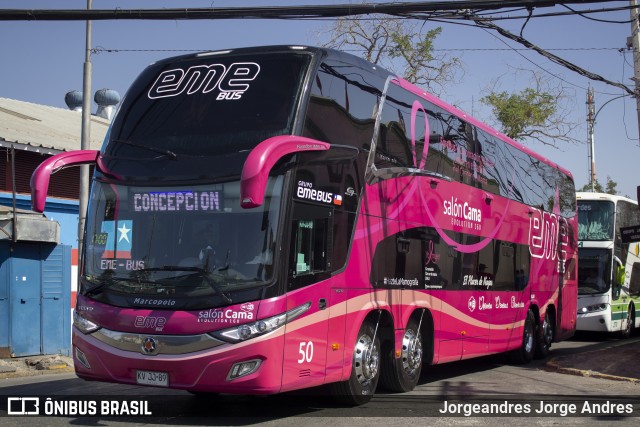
628 330
365 372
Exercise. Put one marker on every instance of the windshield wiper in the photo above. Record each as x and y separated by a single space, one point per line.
207 275
99 286
168 153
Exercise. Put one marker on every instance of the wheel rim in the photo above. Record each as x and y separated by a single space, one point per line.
366 359
411 352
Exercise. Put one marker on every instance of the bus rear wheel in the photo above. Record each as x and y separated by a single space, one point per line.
401 374
525 353
365 369
544 337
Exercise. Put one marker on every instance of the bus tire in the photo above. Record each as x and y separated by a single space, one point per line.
401 374
626 333
544 337
525 353
365 369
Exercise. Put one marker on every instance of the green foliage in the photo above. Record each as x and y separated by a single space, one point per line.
519 112
611 187
404 47
416 51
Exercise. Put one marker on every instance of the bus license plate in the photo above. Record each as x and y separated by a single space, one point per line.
152 378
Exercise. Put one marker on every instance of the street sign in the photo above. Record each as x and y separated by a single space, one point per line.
630 234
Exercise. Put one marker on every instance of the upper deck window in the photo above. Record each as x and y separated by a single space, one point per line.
457 150
210 105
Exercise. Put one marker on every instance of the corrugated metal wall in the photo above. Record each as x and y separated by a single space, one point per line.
65 183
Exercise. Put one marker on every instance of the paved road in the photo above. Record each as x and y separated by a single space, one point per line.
481 381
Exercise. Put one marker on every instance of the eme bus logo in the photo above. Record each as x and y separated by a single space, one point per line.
231 82
548 236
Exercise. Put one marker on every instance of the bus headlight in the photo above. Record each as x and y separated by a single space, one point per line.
264 326
593 308
85 326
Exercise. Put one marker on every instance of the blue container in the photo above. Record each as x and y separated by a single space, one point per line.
35 299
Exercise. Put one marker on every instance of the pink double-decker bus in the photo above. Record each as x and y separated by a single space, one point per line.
277 218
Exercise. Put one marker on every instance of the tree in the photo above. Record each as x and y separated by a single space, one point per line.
406 48
538 113
610 188
402 46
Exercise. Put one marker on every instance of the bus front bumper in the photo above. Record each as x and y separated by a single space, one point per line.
596 321
205 371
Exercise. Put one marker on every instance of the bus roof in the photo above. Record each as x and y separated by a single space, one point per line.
360 62
475 122
587 195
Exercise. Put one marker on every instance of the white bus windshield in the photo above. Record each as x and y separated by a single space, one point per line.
594 270
595 220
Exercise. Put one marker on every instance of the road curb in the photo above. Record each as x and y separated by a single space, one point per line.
555 366
34 373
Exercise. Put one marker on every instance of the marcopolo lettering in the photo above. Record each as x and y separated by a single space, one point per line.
231 82
156 302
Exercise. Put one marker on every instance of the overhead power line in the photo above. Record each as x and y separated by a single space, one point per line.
275 12
429 10
560 61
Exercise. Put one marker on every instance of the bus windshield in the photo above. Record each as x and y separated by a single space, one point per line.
183 242
594 270
209 105
595 220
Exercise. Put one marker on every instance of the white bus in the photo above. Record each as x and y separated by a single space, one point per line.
608 270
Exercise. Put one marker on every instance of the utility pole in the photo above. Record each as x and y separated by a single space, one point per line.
85 141
590 139
635 44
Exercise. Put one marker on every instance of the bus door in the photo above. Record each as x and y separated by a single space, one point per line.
305 352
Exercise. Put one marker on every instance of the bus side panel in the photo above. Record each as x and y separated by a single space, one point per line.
305 349
553 268
630 289
336 334
507 320
567 304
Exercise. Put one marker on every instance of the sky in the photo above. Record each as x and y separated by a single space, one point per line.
42 61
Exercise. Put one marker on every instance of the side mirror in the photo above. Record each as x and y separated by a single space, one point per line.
263 157
42 175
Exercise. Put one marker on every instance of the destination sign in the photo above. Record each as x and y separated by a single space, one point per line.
178 201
